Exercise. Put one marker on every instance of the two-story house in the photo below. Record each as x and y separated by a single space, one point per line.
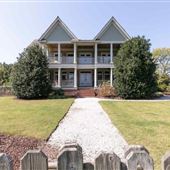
76 63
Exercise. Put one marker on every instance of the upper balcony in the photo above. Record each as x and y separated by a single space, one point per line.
82 55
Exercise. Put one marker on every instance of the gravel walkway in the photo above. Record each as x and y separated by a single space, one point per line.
87 124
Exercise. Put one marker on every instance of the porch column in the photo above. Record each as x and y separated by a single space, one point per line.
95 53
59 53
46 50
75 77
111 53
59 77
95 77
75 53
111 77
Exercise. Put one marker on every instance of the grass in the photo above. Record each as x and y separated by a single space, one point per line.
32 118
145 123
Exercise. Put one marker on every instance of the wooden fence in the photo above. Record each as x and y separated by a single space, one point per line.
71 158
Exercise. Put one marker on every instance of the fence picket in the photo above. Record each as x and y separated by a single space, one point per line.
34 160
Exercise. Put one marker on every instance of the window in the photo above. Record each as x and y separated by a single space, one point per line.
107 54
55 55
55 75
67 75
103 75
82 55
71 76
100 75
64 75
85 54
88 55
106 75
70 54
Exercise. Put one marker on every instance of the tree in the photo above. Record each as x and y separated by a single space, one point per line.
5 74
135 70
162 58
30 78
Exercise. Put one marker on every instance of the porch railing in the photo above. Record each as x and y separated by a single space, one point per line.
67 83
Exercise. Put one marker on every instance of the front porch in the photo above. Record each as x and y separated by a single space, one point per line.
80 78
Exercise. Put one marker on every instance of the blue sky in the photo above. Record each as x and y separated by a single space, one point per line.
21 23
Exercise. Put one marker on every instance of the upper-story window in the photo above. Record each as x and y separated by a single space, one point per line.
70 54
105 54
55 55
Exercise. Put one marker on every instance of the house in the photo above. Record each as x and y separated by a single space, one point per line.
76 63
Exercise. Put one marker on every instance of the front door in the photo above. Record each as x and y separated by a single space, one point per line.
85 79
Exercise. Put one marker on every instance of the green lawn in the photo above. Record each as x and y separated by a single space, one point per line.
33 118
145 123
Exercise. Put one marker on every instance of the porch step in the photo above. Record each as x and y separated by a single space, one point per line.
71 93
86 92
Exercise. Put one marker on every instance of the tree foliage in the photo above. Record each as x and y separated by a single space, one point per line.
30 78
135 70
5 74
162 58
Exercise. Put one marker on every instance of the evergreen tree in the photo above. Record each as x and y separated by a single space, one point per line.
135 70
30 77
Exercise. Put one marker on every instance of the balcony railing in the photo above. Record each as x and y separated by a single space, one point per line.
86 60
81 60
67 60
103 59
52 59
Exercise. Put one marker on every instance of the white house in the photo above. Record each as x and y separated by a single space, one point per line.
76 63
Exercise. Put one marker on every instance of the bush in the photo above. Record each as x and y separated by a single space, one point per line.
56 94
30 76
105 90
135 70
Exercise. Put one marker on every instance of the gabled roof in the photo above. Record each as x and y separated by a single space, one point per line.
52 26
118 27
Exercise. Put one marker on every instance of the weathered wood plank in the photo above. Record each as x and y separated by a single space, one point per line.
139 160
166 161
34 160
107 162
70 158
5 162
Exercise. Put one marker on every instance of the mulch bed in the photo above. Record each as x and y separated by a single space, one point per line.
16 147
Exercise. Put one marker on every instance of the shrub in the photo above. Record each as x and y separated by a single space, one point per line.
30 76
56 94
135 70
105 90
